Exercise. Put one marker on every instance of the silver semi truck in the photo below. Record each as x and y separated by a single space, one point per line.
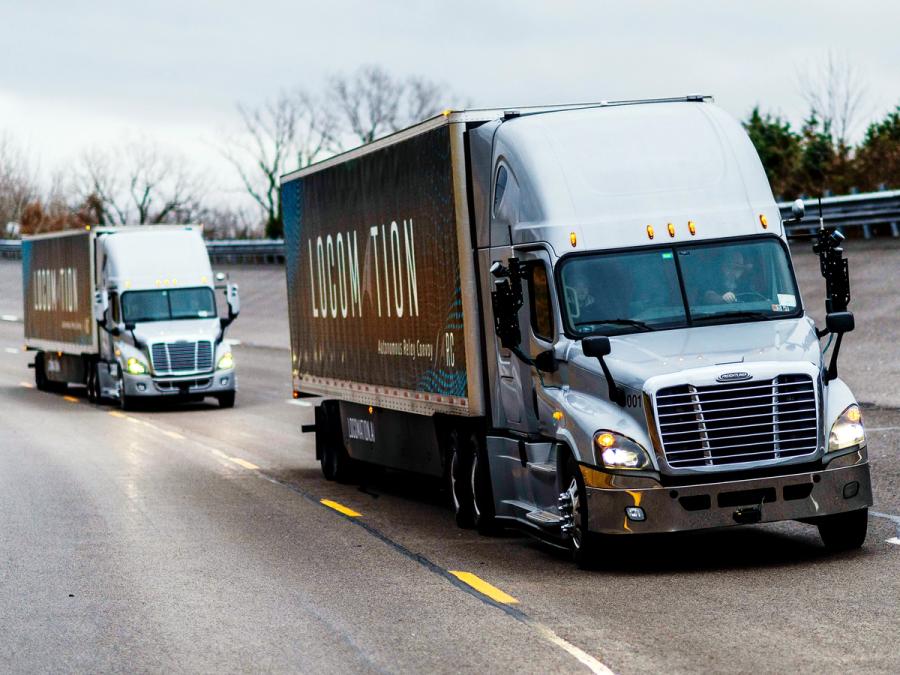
128 312
585 318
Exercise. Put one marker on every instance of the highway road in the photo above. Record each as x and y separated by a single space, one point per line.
195 539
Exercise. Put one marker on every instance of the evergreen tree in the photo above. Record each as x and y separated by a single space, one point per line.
779 149
878 157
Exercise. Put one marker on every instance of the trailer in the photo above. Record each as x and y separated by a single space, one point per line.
583 318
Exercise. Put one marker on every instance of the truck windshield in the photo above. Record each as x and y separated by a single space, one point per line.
678 286
165 305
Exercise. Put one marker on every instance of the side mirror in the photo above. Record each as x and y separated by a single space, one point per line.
101 304
233 299
596 346
839 322
546 362
798 209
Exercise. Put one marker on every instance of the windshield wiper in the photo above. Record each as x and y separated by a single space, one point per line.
616 322
743 314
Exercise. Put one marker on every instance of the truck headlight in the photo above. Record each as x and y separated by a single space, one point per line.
619 452
847 430
226 362
135 366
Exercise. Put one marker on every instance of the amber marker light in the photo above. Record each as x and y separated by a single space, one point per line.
296 394
692 227
606 440
650 231
371 410
671 228
763 221
854 415
557 415
573 239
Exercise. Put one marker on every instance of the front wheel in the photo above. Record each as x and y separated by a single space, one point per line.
844 531
460 477
483 513
573 504
226 400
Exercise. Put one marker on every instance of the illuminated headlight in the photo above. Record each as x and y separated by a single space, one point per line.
619 452
848 430
135 366
227 361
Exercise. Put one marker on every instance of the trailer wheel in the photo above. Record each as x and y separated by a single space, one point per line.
91 383
483 513
844 531
583 543
40 375
459 475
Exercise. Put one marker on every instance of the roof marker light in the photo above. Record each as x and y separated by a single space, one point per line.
650 231
573 238
764 221
692 227
671 228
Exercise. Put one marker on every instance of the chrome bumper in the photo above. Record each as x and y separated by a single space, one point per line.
696 507
202 384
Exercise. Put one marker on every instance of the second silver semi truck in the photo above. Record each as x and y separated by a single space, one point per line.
585 318
129 312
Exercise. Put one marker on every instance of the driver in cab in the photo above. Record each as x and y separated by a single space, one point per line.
731 279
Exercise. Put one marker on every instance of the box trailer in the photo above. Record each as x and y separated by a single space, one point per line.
584 318
128 312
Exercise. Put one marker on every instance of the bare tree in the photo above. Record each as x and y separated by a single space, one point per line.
139 183
291 131
18 184
835 92
371 103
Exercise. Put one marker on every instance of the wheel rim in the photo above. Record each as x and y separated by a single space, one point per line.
454 466
575 495
474 487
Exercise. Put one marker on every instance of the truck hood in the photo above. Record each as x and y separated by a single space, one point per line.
636 358
171 331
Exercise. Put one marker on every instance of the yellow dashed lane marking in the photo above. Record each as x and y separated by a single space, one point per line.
244 463
116 413
340 508
70 399
485 588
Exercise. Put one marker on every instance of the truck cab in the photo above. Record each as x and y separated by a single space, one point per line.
653 367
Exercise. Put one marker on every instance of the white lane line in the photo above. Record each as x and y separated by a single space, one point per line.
232 342
592 663
9 317
882 428
302 404
11 350
893 540
886 516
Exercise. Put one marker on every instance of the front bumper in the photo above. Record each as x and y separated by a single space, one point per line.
201 384
696 507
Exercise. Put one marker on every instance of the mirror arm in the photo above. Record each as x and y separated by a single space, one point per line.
832 372
616 394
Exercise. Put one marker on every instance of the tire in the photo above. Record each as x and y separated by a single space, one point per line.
844 531
459 475
91 383
226 400
40 374
483 512
335 462
583 544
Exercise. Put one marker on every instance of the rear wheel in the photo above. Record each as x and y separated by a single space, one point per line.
460 477
335 462
844 531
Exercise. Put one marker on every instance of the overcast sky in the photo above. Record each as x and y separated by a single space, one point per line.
76 74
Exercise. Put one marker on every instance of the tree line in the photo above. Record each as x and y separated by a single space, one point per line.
137 181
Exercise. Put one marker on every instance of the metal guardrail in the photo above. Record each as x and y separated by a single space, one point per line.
875 213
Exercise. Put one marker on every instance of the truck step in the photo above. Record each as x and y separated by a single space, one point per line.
543 467
543 518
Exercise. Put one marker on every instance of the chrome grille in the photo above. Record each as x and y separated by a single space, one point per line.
181 357
756 421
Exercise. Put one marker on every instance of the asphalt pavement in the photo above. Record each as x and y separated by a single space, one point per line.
195 539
